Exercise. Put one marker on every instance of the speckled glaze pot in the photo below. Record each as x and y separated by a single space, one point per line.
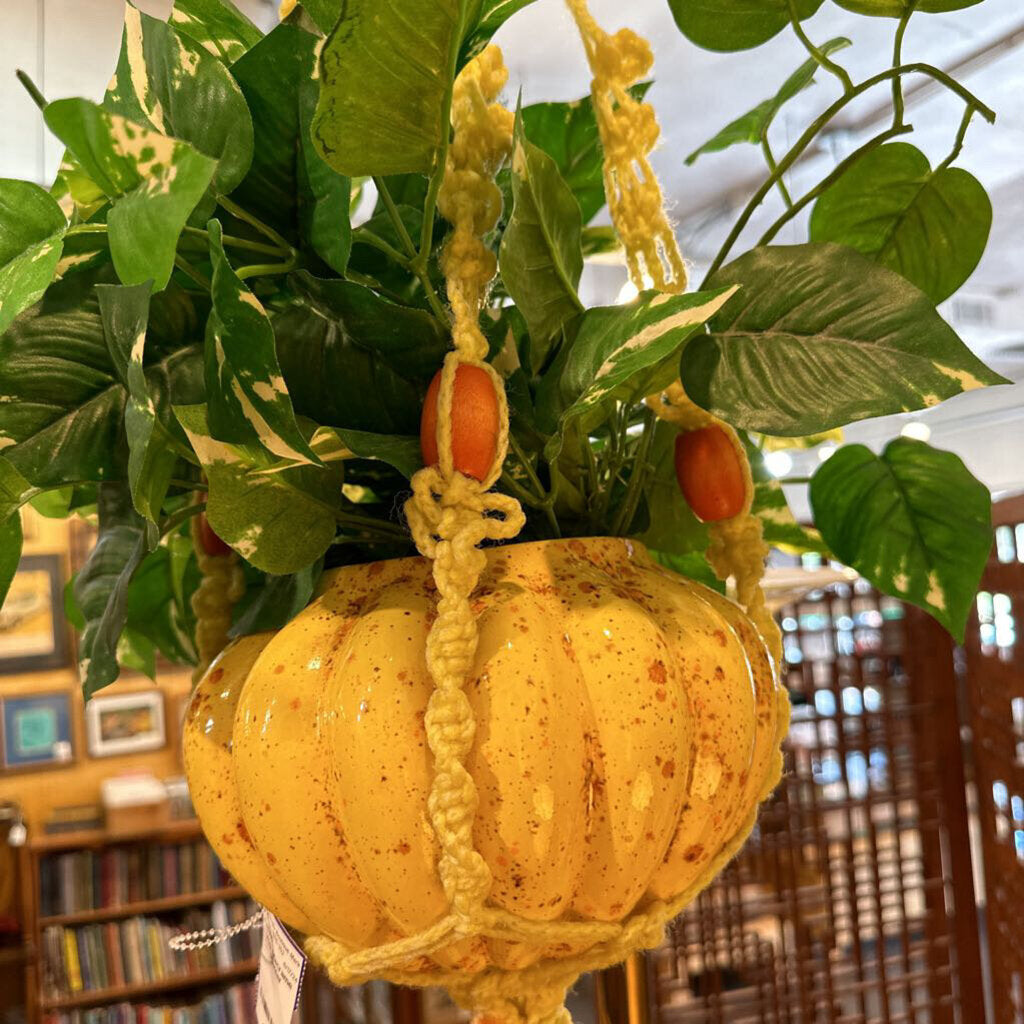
627 723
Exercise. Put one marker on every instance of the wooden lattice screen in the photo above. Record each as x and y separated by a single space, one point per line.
995 698
841 907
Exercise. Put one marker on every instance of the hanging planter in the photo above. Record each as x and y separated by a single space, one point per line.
516 725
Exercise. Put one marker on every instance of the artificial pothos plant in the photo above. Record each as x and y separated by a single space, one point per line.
190 323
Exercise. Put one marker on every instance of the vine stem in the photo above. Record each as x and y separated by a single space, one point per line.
364 235
545 500
828 65
413 264
234 242
173 521
898 107
32 89
189 271
268 269
819 123
837 172
958 142
769 159
627 510
253 221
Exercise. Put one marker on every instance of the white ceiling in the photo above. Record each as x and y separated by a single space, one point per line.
69 47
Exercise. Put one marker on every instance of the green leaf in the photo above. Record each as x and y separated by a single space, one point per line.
153 609
729 25
170 83
324 196
779 526
280 520
912 520
64 421
568 133
403 453
10 552
325 13
279 600
625 352
155 183
930 226
249 400
101 588
753 126
541 254
821 336
32 228
384 73
271 76
897 8
352 359
674 529
693 565
15 490
217 25
136 653
151 459
492 15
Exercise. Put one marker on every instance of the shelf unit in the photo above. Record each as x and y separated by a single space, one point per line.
96 839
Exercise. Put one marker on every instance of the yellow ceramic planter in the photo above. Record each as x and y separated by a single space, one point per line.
628 723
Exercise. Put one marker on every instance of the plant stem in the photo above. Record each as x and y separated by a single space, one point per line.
86 229
366 524
188 485
819 123
264 229
958 143
32 89
413 263
769 159
794 480
173 521
268 269
627 510
829 65
837 172
363 235
189 271
546 500
236 243
396 218
897 60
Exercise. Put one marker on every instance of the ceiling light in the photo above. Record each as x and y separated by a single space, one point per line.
916 430
778 463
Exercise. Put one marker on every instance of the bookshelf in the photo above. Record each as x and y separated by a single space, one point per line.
98 907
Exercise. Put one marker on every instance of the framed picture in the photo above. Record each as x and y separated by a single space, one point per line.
33 634
126 724
35 731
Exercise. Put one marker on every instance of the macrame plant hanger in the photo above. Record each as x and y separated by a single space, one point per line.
451 515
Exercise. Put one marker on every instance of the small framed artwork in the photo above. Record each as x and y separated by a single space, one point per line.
33 634
128 723
35 732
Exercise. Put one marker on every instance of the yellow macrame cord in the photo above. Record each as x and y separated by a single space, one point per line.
221 587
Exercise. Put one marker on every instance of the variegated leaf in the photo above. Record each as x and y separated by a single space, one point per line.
11 539
32 228
154 181
821 336
913 521
151 458
217 25
169 82
281 521
249 400
336 443
15 490
624 352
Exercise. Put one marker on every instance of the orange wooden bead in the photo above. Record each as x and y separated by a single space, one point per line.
475 422
710 474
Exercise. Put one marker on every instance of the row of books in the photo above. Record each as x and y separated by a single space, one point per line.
137 950
88 879
235 1005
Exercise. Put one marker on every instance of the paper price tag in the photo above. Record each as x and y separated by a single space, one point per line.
282 966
